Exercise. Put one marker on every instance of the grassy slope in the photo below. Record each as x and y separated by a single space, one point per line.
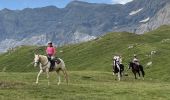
97 55
89 65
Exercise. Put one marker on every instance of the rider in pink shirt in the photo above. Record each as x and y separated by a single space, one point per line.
50 50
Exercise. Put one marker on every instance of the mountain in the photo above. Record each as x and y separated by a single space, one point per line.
160 18
79 22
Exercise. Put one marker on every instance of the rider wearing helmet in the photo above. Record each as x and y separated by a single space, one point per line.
51 51
116 61
135 60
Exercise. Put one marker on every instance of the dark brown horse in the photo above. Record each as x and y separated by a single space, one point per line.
136 69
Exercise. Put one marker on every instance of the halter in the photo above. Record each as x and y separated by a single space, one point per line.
37 61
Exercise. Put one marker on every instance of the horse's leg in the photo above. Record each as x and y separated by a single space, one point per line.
65 75
119 73
113 70
141 69
143 74
134 74
113 74
139 74
122 69
58 74
38 76
47 71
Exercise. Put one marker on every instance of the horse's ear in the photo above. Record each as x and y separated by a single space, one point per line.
35 51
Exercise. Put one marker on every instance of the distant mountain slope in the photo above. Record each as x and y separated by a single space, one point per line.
97 54
79 21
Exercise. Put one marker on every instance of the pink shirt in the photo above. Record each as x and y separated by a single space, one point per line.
50 51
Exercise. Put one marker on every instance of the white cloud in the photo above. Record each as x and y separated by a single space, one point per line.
121 1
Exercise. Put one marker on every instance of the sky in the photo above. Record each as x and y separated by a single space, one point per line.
21 4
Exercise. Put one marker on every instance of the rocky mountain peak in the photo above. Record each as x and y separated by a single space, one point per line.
91 20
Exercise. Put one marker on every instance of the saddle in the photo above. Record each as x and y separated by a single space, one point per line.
53 62
136 66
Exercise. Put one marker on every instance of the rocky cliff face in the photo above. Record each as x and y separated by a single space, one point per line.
162 17
79 21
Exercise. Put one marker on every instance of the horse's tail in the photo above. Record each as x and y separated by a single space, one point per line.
141 69
122 67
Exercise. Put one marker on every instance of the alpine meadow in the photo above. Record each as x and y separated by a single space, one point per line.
89 66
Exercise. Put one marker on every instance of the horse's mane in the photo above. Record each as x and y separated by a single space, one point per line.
42 56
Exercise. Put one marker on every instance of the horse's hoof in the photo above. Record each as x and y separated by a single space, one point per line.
36 82
58 83
113 74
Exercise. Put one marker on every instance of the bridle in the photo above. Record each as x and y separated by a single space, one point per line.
38 61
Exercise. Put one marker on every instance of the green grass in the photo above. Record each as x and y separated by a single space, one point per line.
94 54
97 55
84 85
90 70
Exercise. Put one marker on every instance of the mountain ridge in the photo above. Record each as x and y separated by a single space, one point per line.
79 20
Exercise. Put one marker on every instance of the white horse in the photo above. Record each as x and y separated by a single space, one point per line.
44 65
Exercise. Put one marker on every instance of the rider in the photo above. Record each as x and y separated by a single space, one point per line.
135 60
117 61
120 59
51 51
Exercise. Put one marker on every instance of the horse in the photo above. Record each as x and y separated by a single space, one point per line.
44 65
118 69
136 69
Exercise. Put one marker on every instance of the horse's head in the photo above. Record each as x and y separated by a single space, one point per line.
36 60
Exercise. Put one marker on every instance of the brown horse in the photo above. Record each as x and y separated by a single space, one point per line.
136 69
